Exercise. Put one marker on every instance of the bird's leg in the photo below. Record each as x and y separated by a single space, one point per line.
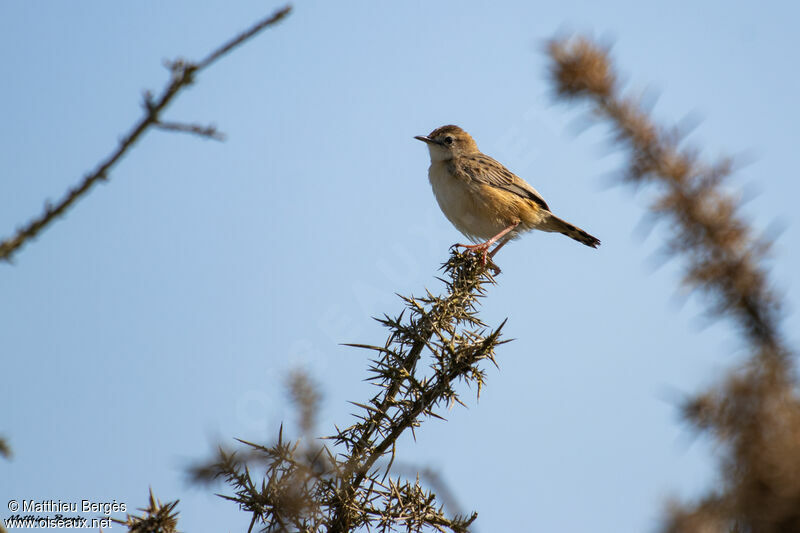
497 248
492 265
483 247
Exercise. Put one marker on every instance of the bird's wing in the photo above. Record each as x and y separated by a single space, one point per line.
484 169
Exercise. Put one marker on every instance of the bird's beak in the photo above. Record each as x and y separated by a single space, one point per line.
425 139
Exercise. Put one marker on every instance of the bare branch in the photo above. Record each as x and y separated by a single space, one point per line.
182 75
244 36
209 131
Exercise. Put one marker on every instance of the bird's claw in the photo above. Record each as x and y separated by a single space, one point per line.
483 250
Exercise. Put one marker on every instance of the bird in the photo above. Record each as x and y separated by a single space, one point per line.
483 199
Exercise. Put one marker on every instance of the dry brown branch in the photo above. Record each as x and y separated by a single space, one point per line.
755 413
183 74
306 397
5 449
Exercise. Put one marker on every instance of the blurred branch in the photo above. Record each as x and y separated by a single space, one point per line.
755 413
196 129
724 258
183 74
305 395
5 449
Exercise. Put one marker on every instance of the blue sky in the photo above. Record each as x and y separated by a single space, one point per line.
164 311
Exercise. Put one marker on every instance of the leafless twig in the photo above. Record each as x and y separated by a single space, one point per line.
183 74
209 131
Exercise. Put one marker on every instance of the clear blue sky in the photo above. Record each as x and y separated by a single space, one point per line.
165 310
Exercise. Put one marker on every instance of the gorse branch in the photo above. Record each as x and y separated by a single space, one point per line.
183 74
450 329
725 259
348 487
755 413
155 518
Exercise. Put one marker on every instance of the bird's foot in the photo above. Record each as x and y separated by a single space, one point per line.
478 247
483 250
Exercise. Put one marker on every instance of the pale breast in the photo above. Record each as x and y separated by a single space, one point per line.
462 204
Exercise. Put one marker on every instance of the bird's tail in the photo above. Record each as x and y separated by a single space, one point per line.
553 223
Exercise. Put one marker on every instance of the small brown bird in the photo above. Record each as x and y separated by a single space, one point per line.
483 199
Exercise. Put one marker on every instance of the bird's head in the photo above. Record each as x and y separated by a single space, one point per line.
448 142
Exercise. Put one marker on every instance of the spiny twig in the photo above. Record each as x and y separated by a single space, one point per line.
311 488
155 518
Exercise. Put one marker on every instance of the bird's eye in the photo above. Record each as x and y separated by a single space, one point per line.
448 140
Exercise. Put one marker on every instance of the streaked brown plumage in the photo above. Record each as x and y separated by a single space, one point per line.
483 199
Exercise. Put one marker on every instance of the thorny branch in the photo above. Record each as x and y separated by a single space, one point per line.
310 487
155 518
183 74
755 413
